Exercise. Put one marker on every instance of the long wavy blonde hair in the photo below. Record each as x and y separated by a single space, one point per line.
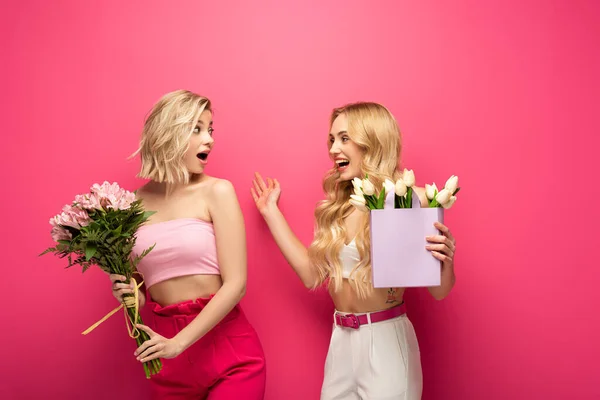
374 129
166 136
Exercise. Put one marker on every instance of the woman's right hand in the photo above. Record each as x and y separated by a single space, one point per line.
265 195
119 288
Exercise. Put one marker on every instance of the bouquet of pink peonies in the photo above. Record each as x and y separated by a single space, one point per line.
98 228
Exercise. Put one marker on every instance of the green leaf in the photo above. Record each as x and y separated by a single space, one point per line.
49 250
137 259
117 231
373 200
90 251
147 214
381 200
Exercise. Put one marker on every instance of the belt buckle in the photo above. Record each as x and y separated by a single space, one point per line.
353 320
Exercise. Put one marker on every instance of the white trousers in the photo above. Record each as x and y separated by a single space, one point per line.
378 361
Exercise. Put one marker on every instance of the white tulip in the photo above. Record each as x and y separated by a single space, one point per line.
443 196
452 184
359 206
359 202
358 191
357 182
408 176
400 188
450 202
358 198
430 191
368 188
388 186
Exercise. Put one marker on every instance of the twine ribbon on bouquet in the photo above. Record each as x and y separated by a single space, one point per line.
128 302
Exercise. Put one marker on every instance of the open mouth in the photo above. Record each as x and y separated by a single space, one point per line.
342 164
202 156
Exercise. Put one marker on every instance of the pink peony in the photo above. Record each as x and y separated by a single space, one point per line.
112 196
72 216
60 233
88 201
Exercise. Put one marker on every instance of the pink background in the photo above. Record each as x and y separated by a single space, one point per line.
503 94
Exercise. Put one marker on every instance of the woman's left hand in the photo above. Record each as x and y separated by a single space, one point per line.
442 246
157 347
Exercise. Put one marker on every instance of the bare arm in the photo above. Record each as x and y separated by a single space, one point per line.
295 253
230 237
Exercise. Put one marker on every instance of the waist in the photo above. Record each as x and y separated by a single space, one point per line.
184 288
355 321
182 313
154 274
348 300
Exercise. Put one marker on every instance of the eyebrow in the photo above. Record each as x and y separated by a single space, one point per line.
339 133
202 123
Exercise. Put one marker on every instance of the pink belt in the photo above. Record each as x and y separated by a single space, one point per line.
354 321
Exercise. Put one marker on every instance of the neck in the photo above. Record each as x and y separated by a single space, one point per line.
168 189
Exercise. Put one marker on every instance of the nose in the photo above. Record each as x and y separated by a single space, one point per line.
208 140
334 150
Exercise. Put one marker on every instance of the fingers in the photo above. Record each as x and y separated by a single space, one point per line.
150 350
116 277
257 188
277 184
144 346
146 329
254 195
442 257
440 248
156 354
259 181
118 285
119 288
443 240
444 229
441 227
123 290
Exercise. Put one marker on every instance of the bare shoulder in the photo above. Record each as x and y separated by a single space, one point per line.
210 186
221 195
422 196
223 204
219 188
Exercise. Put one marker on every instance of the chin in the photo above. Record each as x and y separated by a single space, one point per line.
196 171
345 176
349 175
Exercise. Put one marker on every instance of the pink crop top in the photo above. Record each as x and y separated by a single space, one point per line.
184 246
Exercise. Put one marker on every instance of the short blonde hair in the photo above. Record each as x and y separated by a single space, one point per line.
166 134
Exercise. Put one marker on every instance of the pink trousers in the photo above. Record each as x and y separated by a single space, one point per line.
227 363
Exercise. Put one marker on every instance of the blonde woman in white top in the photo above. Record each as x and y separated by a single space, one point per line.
373 353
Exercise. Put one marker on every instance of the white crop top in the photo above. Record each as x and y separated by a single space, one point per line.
349 257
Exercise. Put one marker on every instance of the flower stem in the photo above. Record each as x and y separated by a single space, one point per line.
150 367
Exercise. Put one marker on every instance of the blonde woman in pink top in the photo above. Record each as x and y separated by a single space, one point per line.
196 275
